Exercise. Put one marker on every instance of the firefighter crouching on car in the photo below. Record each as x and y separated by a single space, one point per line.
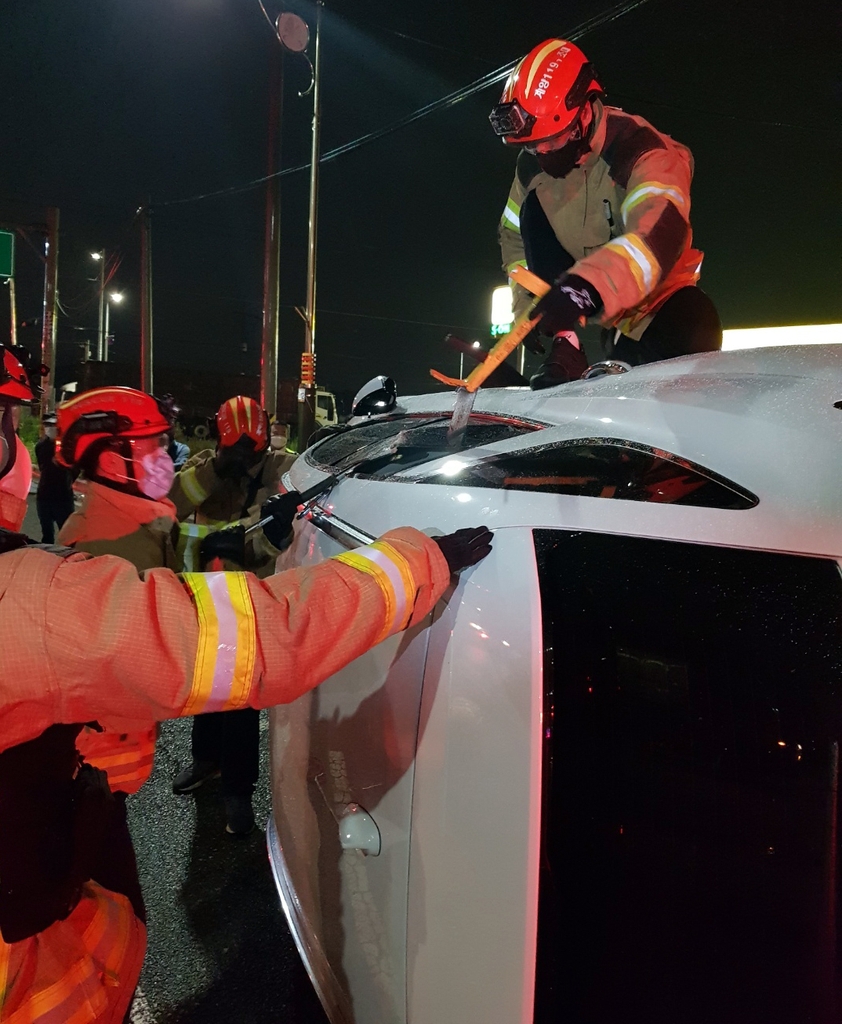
600 208
117 437
216 488
88 638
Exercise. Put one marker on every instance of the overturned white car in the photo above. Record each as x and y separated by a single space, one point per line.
602 783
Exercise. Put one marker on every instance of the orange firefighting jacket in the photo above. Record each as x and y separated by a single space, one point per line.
644 177
211 502
140 530
90 639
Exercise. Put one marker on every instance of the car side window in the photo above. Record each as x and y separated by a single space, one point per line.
604 468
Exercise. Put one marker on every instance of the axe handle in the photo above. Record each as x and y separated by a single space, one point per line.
509 342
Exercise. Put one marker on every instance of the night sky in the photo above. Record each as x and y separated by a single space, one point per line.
106 102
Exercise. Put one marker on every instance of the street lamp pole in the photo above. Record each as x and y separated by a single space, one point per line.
113 297
272 239
307 385
100 346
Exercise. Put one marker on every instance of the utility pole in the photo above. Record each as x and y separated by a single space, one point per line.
14 311
48 322
307 385
272 241
146 299
101 343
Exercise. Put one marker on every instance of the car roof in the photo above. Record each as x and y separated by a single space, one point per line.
765 419
760 417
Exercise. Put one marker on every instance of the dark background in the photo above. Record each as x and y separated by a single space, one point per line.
106 102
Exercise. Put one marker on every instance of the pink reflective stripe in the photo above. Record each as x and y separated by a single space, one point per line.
383 562
226 650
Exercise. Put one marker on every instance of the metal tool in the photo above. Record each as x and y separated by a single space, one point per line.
304 497
466 389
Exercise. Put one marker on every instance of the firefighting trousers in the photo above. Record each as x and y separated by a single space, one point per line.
230 739
686 323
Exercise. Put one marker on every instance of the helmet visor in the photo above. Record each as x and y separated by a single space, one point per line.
510 119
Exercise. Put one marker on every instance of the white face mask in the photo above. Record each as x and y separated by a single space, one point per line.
156 474
277 442
51 432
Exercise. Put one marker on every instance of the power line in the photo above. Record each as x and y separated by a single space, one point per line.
445 103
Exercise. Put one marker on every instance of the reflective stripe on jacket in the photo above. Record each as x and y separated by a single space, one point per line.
140 530
644 177
81 970
133 650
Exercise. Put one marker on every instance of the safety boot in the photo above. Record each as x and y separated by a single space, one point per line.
565 362
196 775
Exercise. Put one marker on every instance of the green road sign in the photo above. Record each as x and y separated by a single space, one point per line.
7 254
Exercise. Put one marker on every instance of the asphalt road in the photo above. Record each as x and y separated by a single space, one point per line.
219 949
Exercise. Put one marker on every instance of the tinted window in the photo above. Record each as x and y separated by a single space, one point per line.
385 447
693 713
604 468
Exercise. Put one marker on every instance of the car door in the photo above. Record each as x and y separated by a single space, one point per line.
343 762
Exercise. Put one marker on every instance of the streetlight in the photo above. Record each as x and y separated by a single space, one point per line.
116 298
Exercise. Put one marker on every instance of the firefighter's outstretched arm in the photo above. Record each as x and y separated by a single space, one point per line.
123 647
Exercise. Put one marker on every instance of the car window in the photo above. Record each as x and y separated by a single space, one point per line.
384 447
691 729
602 468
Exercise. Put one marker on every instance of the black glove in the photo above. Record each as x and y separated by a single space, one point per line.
282 508
569 299
534 342
465 547
228 545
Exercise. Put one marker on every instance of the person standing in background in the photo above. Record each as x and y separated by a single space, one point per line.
54 497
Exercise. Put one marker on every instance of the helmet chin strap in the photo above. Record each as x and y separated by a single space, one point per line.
125 481
8 441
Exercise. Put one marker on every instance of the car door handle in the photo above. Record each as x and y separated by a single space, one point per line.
358 830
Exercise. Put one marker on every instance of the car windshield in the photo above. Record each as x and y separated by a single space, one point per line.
387 446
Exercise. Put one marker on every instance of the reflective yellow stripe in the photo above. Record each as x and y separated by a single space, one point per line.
511 216
639 258
187 549
391 571
227 646
651 188
196 494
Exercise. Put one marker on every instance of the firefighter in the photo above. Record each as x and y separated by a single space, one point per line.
217 488
599 207
87 638
117 438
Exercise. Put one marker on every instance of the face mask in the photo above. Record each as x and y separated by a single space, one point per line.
560 162
277 442
156 474
51 432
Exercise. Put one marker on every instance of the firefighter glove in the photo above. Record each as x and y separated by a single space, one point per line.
570 298
465 547
535 342
223 546
282 509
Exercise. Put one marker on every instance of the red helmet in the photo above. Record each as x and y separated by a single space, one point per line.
111 412
14 378
544 93
242 417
